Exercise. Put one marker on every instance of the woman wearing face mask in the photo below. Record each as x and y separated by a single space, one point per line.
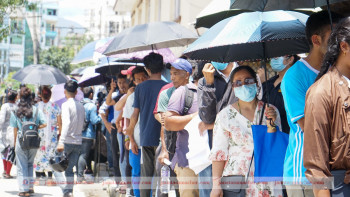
273 85
233 139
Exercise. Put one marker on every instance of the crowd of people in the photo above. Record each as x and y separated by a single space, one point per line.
143 120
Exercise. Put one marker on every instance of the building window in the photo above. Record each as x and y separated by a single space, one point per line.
52 12
15 39
49 41
50 27
16 26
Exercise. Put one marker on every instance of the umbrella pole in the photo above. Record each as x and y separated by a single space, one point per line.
330 15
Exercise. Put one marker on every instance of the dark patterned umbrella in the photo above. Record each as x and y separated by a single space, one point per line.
40 74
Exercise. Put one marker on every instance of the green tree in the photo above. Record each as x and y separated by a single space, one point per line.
57 57
6 6
11 83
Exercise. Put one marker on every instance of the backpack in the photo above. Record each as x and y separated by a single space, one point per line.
29 139
86 121
171 136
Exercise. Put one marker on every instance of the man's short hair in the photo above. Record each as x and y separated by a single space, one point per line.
154 62
87 92
71 86
121 76
318 23
138 70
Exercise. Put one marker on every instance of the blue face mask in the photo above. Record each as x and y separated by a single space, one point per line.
219 66
277 64
246 93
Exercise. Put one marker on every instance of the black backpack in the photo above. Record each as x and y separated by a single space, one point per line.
171 136
29 139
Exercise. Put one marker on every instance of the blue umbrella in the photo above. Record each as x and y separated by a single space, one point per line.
88 53
252 36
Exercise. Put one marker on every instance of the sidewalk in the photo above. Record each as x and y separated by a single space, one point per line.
9 188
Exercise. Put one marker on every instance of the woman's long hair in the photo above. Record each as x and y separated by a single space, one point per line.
341 33
25 103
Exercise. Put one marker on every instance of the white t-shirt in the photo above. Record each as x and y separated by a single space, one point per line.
127 113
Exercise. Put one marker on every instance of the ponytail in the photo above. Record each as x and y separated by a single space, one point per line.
341 33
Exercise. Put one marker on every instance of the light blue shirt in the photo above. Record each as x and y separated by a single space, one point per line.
294 86
16 123
92 117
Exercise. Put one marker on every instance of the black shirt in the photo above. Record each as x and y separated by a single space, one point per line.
276 99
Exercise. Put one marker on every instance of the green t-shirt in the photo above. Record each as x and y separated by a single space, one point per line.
164 98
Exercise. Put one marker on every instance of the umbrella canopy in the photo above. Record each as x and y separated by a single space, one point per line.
88 53
40 74
218 10
114 68
91 78
58 96
252 36
167 54
269 5
150 36
77 71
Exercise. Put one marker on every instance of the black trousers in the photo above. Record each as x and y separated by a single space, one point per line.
115 154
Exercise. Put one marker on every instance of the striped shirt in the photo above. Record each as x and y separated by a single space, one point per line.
294 86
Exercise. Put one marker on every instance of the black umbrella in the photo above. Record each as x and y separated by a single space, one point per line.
40 74
269 5
218 10
115 68
156 35
252 36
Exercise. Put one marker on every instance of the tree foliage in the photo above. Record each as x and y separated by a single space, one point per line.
6 6
11 83
61 57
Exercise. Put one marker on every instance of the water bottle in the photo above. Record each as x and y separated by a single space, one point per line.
165 177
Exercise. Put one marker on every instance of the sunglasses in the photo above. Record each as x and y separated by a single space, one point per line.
246 81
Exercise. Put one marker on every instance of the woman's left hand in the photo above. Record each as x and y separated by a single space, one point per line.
271 116
270 113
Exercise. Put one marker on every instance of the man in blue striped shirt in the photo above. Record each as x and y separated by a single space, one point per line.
294 86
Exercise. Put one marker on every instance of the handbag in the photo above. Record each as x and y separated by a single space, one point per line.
270 150
239 191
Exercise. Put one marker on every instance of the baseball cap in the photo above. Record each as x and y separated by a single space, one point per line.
128 71
182 64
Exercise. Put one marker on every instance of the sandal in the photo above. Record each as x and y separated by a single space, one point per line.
7 176
23 194
31 191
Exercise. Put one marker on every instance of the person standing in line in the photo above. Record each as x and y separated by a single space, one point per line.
326 143
214 94
7 130
273 85
139 75
145 100
49 135
73 116
176 118
294 86
26 111
89 133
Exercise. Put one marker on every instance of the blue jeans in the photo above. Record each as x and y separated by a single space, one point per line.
72 152
25 160
205 182
135 162
122 165
83 158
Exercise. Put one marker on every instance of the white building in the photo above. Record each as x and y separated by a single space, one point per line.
102 21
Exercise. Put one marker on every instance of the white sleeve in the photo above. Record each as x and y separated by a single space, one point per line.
65 122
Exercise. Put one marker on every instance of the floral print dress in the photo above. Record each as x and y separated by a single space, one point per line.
233 143
48 136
